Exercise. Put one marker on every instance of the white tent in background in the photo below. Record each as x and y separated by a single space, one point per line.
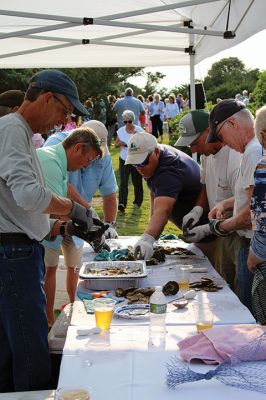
112 33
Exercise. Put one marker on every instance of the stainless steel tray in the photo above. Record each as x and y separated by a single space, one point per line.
125 270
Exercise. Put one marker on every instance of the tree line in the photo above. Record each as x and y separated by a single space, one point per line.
225 78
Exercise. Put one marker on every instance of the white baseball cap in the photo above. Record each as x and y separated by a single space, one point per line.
100 130
139 146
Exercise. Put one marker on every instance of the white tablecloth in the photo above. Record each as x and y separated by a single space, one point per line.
123 365
228 308
38 395
129 369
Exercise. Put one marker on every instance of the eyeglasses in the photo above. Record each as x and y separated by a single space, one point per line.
218 135
90 161
128 122
144 163
67 112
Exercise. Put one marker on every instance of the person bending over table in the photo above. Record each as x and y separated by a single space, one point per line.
174 182
219 169
25 205
77 150
233 124
99 175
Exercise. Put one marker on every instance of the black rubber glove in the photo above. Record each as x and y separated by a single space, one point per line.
81 214
79 228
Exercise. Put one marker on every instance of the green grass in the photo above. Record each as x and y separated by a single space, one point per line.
134 221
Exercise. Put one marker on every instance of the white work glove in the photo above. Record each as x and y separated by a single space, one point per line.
111 232
190 219
143 249
195 235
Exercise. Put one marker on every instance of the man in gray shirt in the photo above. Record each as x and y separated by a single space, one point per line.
129 102
25 205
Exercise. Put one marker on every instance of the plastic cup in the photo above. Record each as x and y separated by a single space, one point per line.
203 313
103 310
182 274
73 393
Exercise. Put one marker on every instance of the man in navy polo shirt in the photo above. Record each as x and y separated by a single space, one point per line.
174 182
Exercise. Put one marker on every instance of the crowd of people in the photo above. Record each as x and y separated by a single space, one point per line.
46 197
150 113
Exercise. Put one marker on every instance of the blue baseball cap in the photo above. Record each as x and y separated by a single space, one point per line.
58 82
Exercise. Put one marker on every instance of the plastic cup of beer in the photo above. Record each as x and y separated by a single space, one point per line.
103 310
73 393
182 274
203 313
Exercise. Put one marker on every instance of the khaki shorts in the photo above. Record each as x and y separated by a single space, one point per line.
227 249
72 255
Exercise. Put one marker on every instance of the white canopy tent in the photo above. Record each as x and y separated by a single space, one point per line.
112 33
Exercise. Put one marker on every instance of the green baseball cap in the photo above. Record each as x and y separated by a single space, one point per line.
191 127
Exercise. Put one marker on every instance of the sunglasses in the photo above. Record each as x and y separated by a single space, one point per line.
218 133
144 163
128 122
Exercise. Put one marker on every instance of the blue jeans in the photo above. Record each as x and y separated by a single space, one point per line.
24 353
244 276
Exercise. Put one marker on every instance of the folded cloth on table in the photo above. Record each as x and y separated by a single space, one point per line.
168 236
84 295
245 368
213 346
114 255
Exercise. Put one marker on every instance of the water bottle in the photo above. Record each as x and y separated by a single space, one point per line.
158 306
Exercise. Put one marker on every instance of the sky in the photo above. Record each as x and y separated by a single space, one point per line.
250 52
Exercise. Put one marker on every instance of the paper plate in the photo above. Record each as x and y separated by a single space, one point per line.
133 311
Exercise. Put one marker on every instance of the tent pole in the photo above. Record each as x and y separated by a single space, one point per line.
192 76
192 82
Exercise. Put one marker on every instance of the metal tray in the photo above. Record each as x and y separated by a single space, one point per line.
135 270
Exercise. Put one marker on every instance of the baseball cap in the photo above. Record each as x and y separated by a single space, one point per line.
191 127
222 111
12 98
58 82
139 146
100 130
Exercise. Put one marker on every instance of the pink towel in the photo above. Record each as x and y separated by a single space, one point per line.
213 346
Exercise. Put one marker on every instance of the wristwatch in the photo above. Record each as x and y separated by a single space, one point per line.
62 229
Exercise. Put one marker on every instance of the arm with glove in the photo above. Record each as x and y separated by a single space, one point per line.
110 211
86 225
162 207
192 218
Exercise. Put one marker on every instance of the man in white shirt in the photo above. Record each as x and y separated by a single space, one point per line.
219 167
232 124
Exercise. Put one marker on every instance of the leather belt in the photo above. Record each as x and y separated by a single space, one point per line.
12 238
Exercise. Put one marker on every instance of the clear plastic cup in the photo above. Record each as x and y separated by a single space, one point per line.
182 274
203 313
103 310
73 393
